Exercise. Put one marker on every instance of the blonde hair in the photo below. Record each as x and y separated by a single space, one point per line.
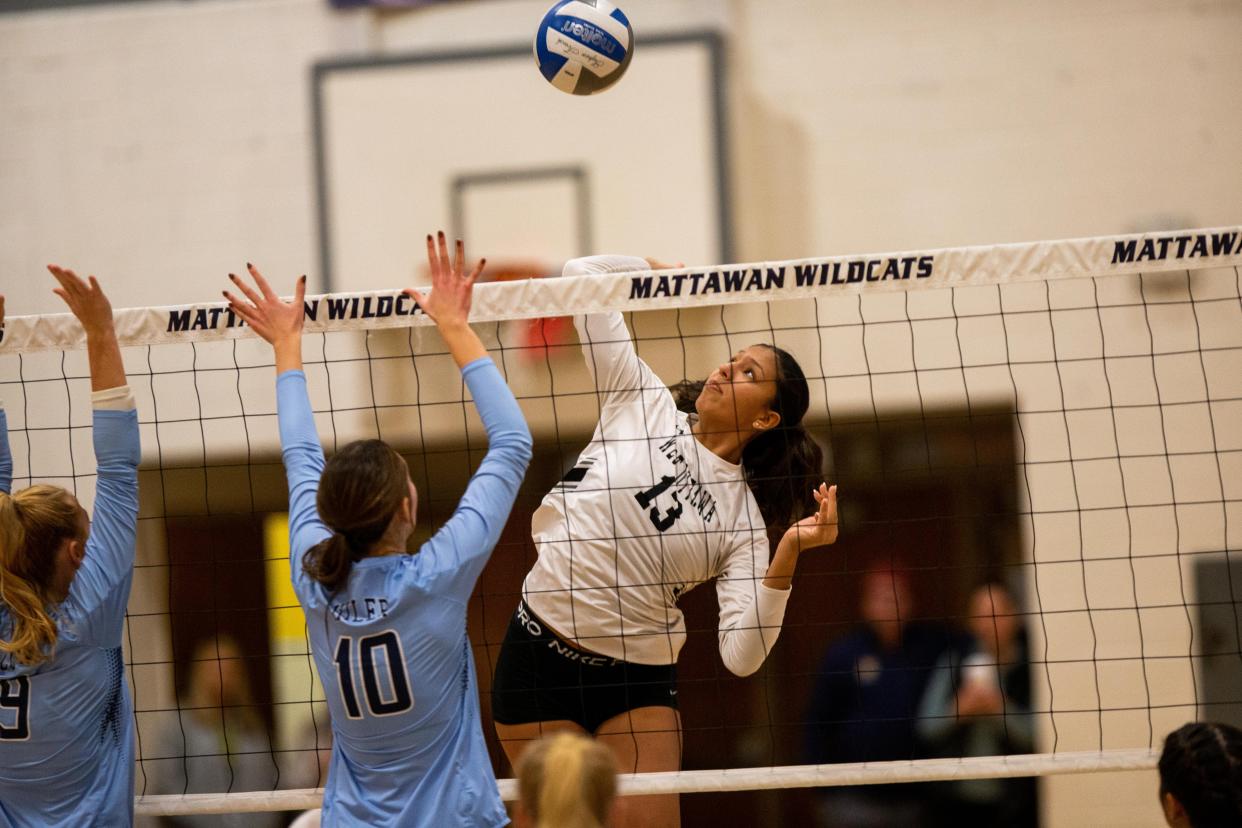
33 524
567 781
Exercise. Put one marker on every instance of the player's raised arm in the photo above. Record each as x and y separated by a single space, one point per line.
279 322
462 547
6 458
606 342
102 584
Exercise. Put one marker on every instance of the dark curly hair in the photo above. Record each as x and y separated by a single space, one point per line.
1201 765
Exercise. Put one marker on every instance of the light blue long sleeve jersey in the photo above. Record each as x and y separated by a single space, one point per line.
66 725
391 644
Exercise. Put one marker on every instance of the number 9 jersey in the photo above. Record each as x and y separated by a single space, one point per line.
67 725
646 514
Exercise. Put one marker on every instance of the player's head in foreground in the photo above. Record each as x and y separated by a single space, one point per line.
565 781
367 499
1201 776
43 528
43 531
761 395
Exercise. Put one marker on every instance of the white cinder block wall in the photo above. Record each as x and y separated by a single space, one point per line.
162 144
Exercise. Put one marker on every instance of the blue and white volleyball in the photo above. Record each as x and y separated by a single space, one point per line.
584 46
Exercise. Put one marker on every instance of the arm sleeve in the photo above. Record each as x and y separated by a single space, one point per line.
101 588
1016 726
303 457
826 709
606 343
938 708
457 553
750 613
6 458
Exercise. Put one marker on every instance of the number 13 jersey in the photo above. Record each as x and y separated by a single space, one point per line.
645 515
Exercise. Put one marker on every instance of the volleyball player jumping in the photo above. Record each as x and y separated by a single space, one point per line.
66 723
388 630
659 502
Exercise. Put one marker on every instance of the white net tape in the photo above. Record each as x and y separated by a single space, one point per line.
731 779
684 288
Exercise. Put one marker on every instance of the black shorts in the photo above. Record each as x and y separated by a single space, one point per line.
540 678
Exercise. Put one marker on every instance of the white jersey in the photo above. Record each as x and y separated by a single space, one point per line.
645 515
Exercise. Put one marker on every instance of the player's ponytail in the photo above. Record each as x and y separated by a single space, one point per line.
567 781
33 525
360 490
784 464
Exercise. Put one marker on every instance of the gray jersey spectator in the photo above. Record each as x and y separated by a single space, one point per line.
978 703
865 699
223 741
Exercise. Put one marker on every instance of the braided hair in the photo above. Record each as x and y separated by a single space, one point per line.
1201 766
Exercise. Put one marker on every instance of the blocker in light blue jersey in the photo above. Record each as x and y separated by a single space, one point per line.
66 725
391 645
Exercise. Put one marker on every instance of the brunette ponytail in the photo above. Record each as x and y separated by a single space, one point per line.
360 490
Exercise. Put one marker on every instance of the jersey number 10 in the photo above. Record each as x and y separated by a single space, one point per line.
384 698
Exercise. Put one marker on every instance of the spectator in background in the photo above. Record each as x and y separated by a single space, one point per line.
565 781
864 702
222 739
1201 776
978 703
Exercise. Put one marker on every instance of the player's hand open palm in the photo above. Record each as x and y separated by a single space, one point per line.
819 528
271 317
448 304
85 299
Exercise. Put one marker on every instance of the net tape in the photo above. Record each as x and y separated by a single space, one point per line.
687 287
720 781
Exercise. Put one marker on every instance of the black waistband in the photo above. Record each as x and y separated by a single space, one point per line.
538 629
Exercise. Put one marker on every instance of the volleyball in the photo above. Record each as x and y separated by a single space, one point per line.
583 46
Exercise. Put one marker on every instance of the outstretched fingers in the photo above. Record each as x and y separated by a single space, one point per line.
477 272
247 291
239 308
446 266
264 287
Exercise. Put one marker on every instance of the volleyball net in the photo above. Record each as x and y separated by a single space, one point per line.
1063 419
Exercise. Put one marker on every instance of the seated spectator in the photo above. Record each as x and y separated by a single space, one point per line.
1201 776
865 699
978 703
565 781
218 744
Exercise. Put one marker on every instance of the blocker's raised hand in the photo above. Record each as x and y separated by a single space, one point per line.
272 318
85 299
452 289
